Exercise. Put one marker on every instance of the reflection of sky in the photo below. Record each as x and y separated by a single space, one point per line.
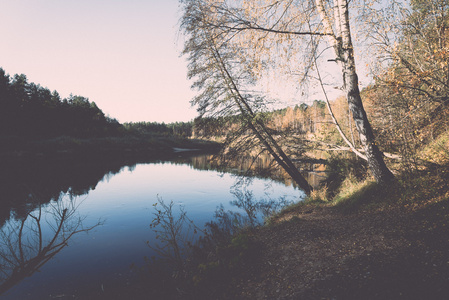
198 191
125 202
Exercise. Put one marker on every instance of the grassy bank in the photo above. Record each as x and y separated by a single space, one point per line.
357 240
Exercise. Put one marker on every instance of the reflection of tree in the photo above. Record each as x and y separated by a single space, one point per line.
175 232
255 211
27 244
262 166
190 266
49 178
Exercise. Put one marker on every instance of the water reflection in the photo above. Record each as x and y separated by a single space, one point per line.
28 243
262 166
19 180
175 232
100 262
257 211
193 266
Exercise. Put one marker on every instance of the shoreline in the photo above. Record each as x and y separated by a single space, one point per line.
127 146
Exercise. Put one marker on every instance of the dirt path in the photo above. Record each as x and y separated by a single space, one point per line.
323 253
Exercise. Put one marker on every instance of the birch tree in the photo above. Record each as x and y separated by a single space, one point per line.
223 76
287 36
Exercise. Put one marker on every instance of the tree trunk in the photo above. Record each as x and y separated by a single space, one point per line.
374 156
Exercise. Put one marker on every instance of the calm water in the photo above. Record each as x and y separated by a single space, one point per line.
102 224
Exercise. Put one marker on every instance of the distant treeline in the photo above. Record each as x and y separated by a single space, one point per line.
301 119
30 110
182 129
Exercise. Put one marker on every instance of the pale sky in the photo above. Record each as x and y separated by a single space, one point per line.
121 54
124 55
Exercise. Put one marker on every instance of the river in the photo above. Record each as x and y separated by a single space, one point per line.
69 230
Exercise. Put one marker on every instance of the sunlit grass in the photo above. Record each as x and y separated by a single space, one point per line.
437 151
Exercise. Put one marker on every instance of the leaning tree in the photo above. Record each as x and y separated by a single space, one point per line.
235 44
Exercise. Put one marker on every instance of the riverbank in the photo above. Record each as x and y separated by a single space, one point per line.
366 242
374 243
119 146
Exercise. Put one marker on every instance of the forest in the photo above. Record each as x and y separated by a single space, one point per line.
36 121
32 111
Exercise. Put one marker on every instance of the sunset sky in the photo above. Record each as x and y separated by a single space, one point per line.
122 55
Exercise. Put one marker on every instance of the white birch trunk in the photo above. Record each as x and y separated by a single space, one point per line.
342 43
